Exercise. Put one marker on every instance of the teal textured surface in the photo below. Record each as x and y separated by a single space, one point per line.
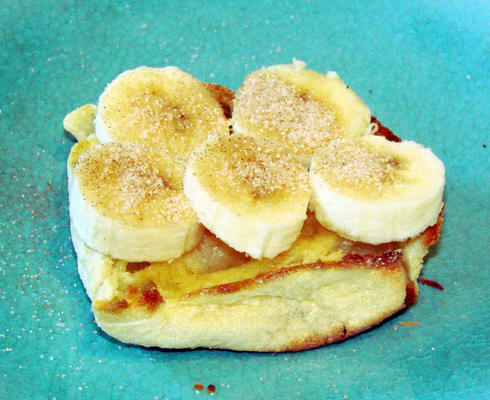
423 69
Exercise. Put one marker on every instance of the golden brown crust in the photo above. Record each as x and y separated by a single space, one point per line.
389 260
314 341
412 294
384 131
113 306
338 336
133 267
223 95
432 234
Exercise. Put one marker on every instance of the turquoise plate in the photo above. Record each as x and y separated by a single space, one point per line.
423 69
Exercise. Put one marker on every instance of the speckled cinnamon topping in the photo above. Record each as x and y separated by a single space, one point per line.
281 112
253 166
356 165
160 107
132 182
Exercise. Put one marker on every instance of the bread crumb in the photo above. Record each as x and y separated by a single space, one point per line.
410 323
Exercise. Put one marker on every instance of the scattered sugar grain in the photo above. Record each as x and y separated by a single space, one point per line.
355 165
249 162
271 105
138 185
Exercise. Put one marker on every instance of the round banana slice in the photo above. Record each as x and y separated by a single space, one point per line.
161 107
298 108
126 201
249 193
376 191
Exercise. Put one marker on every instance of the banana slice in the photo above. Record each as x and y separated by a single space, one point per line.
126 201
249 193
80 147
161 107
298 108
375 191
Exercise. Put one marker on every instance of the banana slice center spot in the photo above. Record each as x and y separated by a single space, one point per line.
153 110
253 171
257 171
133 183
150 113
281 111
159 107
358 168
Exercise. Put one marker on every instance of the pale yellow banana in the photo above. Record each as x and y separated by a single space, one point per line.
298 109
375 191
249 193
160 107
126 201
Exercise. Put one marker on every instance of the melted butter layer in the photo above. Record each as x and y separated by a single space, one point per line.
213 263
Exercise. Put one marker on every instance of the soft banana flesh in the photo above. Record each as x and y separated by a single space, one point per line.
376 191
126 200
248 192
298 109
161 107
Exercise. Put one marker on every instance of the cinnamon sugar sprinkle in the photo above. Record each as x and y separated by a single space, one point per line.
164 108
275 108
152 112
254 164
356 165
130 181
